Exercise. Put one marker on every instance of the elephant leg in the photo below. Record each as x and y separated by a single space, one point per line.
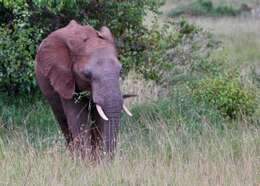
55 103
97 133
77 117
60 116
96 141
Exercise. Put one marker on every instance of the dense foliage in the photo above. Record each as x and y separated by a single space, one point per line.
25 23
17 50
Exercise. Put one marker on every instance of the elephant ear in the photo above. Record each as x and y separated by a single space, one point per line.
54 62
106 34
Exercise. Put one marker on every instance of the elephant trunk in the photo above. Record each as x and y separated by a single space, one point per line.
110 132
110 127
109 104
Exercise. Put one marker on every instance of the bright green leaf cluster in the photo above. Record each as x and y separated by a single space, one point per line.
227 95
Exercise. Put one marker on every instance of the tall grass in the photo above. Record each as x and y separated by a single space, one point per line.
146 90
159 154
171 141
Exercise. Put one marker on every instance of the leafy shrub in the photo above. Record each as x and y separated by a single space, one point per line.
227 95
192 55
5 14
153 62
170 46
17 51
205 7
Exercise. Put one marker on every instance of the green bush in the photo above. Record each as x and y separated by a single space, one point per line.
17 51
192 55
227 95
153 62
169 46
205 7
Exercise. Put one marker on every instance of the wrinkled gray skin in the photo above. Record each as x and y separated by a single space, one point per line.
105 70
79 58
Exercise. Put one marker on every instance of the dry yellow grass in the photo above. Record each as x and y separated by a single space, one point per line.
232 159
146 90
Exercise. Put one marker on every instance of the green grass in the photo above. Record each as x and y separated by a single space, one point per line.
30 116
205 8
216 2
239 36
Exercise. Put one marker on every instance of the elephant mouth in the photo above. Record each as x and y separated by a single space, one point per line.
100 109
103 115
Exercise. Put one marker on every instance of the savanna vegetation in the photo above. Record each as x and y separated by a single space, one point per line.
195 120
208 8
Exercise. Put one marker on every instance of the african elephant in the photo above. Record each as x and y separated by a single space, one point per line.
78 58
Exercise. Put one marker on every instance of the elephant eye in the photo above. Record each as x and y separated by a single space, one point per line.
88 74
85 39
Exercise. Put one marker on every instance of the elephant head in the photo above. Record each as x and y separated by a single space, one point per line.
79 57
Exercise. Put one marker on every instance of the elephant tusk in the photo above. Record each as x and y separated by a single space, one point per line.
101 113
127 111
125 96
